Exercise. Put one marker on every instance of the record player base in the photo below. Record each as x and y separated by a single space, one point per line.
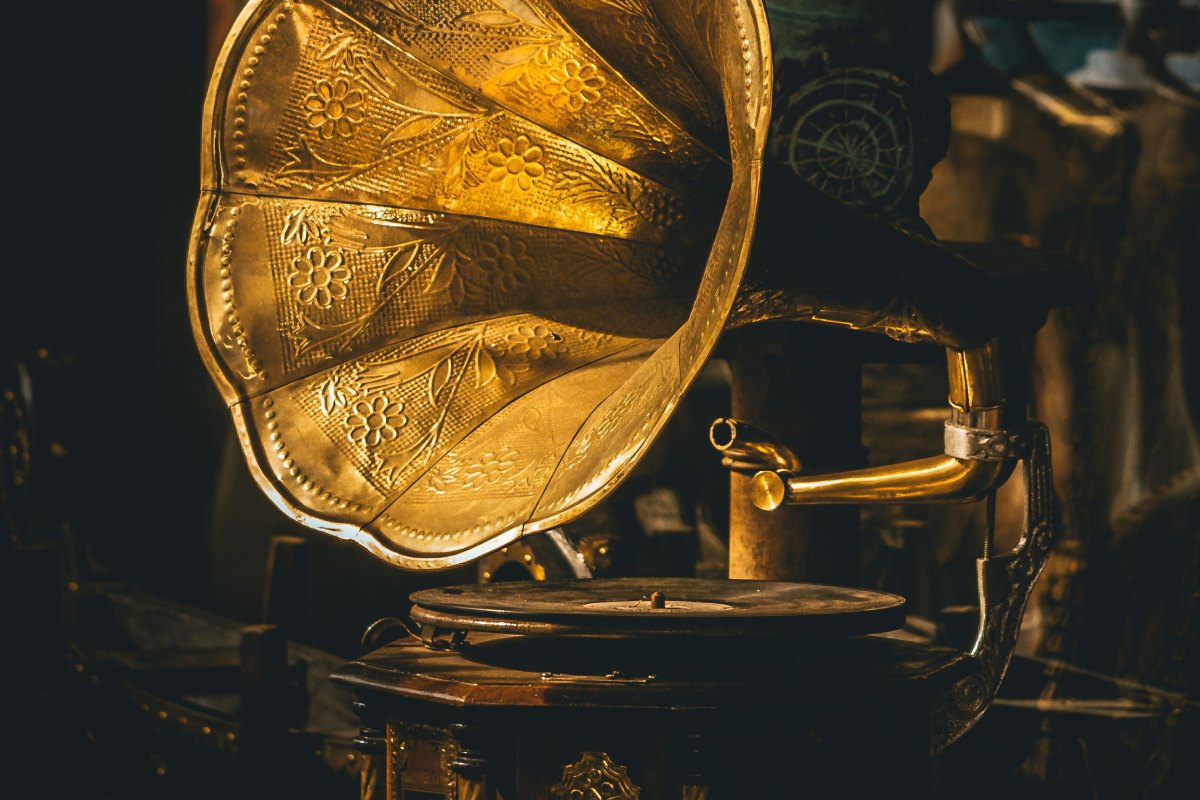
835 718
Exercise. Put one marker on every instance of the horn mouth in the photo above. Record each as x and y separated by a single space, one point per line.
451 267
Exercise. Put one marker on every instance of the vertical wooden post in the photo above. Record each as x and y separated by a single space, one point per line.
285 596
803 384
263 716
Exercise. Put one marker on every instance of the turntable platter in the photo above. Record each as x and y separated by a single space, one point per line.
658 606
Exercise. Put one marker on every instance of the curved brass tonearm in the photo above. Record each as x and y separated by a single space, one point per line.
748 449
983 418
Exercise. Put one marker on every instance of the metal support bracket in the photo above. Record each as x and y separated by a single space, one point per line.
1005 583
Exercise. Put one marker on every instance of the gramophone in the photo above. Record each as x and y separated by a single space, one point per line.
454 265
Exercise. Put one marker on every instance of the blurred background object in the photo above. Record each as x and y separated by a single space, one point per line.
1076 127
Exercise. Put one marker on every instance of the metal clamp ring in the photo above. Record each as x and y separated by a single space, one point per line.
978 444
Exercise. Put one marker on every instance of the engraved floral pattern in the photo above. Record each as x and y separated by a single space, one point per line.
574 85
489 469
647 46
502 266
334 107
516 161
535 342
318 277
374 421
439 481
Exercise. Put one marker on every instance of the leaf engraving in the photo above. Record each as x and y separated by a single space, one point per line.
334 395
303 162
518 55
400 11
632 7
411 128
453 164
443 269
602 186
389 373
521 61
485 367
338 46
299 227
399 264
491 19
458 291
439 379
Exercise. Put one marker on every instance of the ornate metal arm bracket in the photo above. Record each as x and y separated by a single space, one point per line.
1005 583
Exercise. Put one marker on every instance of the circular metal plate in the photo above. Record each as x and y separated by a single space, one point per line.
622 606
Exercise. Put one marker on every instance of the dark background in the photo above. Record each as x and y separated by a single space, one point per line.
103 169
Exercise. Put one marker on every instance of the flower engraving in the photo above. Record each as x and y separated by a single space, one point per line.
516 161
489 469
535 342
645 44
439 482
334 108
319 278
374 421
574 85
503 266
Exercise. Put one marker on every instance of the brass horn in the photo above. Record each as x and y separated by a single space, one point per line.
454 264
